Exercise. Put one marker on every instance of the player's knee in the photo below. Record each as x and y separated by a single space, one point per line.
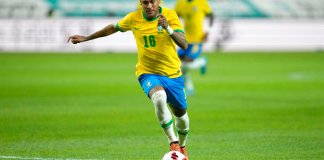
159 98
182 123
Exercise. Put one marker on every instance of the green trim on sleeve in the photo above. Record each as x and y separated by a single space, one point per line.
179 30
118 28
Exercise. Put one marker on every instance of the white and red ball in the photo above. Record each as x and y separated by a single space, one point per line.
173 155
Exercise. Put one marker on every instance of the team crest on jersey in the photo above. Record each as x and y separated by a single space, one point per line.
160 29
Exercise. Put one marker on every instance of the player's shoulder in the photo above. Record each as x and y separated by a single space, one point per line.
181 1
204 3
168 12
134 14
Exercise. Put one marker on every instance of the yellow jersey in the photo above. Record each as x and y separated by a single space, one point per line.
156 50
193 14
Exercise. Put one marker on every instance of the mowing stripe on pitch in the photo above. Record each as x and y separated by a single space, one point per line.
39 158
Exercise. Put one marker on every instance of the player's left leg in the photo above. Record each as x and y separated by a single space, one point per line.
178 103
182 127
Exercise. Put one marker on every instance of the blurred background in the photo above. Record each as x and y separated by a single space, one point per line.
241 25
267 103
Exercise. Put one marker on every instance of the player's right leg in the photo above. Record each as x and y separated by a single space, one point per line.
159 99
154 90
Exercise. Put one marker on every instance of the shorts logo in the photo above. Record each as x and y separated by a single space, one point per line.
148 84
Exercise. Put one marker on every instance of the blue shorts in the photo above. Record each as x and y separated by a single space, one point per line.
174 88
193 51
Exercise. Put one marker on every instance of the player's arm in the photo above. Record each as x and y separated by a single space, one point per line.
179 14
178 37
108 30
211 17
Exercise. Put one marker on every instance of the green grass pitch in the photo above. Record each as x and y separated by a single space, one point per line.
91 106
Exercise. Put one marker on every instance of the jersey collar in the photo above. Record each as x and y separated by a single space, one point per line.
152 19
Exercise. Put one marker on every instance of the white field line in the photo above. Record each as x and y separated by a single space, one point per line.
39 158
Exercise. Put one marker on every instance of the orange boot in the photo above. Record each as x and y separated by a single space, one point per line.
183 150
174 146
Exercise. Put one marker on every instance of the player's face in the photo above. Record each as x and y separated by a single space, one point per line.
150 7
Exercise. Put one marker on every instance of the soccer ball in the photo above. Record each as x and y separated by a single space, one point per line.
173 155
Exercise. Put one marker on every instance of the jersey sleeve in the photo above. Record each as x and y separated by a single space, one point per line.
175 22
177 8
124 24
206 7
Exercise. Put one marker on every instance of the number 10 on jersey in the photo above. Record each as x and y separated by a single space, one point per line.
149 41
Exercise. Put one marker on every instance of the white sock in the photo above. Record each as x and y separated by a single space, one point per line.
188 82
197 63
163 114
182 126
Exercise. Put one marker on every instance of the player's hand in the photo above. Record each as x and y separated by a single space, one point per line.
162 21
77 39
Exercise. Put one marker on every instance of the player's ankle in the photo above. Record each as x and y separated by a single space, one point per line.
174 142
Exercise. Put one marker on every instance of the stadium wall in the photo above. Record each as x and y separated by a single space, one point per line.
50 35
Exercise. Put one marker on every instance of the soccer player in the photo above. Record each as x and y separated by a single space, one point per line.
193 13
157 31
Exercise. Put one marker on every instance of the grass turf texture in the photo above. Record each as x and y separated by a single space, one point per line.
90 106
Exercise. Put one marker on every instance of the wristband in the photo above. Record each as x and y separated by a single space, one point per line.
169 30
